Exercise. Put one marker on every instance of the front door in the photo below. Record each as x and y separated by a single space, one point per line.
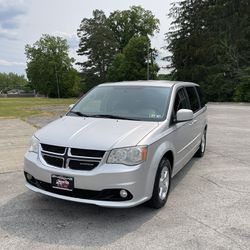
183 131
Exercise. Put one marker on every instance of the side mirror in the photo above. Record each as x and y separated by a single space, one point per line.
71 106
184 115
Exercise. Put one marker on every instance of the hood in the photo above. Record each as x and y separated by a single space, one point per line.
94 133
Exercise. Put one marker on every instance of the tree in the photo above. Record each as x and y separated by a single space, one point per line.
103 40
98 44
117 71
132 63
49 67
209 41
131 23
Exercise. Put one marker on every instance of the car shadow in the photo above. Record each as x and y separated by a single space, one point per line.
53 221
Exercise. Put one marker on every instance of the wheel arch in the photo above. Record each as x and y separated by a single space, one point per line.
164 149
170 156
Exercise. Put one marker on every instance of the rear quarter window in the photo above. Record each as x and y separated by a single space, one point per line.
201 96
193 99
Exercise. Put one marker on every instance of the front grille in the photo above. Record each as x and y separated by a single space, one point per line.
73 158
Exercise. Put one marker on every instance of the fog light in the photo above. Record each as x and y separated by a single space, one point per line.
123 193
29 177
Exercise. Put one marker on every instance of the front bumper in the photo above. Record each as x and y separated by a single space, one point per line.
105 176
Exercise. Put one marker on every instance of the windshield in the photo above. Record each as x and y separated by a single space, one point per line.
124 102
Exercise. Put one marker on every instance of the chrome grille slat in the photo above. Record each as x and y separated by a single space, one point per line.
69 160
52 153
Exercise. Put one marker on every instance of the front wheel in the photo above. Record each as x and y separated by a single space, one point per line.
200 152
161 185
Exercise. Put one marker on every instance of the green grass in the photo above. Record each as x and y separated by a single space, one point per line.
26 107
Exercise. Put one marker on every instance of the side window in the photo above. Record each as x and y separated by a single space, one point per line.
193 99
181 102
202 99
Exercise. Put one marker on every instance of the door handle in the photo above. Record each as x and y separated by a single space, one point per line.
192 122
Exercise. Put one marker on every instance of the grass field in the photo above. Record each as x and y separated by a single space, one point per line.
26 107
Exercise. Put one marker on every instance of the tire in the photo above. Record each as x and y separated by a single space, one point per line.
161 185
201 151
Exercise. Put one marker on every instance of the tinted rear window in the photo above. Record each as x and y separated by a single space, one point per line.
193 98
202 98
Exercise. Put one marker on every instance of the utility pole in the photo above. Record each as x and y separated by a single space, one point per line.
148 61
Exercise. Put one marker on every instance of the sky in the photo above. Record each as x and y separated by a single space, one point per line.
24 21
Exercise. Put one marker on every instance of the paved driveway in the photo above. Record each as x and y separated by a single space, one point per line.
208 207
14 141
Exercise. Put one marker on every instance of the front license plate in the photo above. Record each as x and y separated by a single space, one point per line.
62 182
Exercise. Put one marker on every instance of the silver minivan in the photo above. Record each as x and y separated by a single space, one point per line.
120 144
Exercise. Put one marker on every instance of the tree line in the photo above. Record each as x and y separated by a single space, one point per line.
209 42
9 81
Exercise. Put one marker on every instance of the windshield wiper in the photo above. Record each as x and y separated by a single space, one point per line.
102 116
113 117
78 113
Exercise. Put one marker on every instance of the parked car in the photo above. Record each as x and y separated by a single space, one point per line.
120 144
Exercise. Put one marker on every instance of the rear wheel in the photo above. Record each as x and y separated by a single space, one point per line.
200 152
161 185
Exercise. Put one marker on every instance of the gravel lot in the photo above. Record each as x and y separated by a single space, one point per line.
208 206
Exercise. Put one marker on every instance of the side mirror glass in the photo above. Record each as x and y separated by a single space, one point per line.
184 115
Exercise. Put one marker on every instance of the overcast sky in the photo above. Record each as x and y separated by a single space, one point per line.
24 21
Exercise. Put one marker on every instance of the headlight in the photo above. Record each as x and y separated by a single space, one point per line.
34 145
128 156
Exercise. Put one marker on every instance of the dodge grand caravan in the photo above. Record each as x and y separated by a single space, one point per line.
120 144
